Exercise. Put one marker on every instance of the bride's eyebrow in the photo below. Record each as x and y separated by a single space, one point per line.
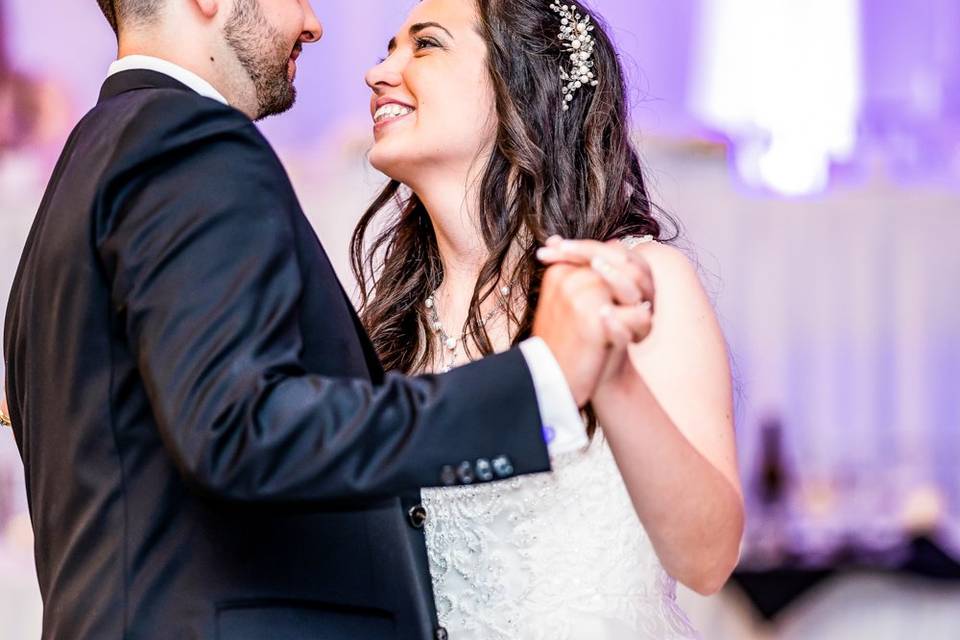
420 26
417 28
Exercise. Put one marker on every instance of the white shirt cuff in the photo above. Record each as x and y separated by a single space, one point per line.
563 428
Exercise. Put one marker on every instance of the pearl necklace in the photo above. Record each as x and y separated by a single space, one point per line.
446 340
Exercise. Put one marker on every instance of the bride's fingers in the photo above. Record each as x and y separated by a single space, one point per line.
612 250
580 251
628 282
583 252
624 271
624 280
551 254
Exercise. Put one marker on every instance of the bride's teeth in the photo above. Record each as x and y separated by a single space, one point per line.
392 110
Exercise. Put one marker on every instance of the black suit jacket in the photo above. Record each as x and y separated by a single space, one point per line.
211 447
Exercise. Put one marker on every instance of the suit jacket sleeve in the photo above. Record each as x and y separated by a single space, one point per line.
195 233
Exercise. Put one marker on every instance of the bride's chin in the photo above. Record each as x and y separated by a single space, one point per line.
386 164
384 168
379 165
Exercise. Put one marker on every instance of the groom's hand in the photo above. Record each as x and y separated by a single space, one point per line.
596 299
570 319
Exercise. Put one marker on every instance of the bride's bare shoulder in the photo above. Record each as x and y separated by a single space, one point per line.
666 261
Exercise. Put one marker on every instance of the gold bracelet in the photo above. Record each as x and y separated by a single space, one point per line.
5 419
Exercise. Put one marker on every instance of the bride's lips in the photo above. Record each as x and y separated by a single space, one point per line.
385 111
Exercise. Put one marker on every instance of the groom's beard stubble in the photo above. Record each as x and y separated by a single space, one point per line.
264 55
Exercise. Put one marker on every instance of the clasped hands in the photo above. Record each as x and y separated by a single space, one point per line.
596 299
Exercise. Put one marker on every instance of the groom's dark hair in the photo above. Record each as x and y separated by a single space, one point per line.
119 12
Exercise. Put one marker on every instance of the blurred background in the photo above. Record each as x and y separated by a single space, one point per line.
811 149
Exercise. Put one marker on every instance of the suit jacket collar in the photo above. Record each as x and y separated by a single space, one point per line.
135 79
152 63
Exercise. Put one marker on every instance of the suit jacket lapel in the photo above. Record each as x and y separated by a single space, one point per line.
136 79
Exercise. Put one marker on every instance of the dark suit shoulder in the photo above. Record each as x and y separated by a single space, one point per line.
179 142
153 121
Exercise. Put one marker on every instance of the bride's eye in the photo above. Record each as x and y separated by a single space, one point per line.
422 43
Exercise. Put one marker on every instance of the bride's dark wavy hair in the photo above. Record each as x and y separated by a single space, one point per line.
572 173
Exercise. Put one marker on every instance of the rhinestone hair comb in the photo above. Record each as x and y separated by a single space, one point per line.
578 42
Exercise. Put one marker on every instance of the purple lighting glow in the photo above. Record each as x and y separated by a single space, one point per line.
782 80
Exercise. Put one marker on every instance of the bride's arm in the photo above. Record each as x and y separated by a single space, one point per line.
668 416
667 412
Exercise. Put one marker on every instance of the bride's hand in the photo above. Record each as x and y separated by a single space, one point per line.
625 270
629 277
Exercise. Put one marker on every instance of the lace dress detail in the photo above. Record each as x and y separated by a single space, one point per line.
558 556
554 556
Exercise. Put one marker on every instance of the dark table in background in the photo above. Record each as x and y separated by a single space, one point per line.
774 590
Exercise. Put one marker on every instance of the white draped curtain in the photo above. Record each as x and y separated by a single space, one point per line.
844 328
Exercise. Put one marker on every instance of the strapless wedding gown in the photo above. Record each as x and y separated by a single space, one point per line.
557 556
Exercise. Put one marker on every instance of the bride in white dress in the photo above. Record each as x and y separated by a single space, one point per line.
503 123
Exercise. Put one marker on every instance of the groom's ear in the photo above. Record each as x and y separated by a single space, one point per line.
209 8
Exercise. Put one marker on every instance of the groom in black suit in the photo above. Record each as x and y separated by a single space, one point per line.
211 447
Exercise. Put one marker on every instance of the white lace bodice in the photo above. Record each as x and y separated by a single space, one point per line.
558 556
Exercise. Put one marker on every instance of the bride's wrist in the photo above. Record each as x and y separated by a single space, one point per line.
618 388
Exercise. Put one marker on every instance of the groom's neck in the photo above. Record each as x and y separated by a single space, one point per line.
197 54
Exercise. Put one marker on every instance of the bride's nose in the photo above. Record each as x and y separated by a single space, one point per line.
383 75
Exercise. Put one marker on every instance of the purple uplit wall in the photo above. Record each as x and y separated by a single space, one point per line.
73 43
911 118
905 109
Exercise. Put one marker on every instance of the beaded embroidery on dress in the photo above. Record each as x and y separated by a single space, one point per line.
557 556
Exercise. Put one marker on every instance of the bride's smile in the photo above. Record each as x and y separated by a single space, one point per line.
432 100
389 110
